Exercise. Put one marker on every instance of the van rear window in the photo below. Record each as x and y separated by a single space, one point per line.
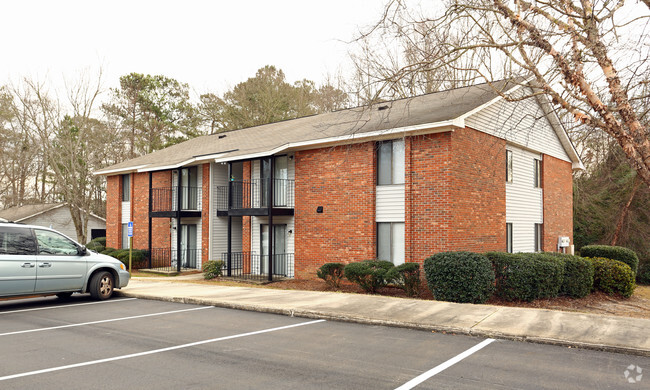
16 241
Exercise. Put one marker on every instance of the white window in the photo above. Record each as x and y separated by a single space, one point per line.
538 237
509 166
390 242
390 162
509 237
538 173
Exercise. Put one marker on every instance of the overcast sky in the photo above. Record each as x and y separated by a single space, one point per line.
211 45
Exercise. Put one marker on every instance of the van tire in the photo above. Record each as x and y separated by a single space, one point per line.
102 285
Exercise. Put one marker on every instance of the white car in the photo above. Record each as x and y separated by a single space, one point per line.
39 261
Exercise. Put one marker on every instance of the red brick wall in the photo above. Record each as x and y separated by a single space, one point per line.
428 184
140 209
113 211
557 184
205 213
478 192
342 180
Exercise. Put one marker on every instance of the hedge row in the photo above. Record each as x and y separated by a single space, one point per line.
139 257
459 277
619 253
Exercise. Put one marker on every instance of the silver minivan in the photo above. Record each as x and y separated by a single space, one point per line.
35 260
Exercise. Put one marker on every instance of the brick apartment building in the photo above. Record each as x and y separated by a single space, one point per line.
462 169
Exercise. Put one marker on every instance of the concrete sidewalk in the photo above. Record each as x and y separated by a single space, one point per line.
609 333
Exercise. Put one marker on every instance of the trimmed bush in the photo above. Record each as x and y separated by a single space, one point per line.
613 277
108 251
369 275
578 278
98 244
331 273
407 277
628 256
138 256
213 269
459 277
526 276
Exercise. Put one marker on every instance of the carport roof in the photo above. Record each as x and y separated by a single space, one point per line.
434 110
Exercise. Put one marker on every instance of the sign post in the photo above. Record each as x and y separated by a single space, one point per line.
130 234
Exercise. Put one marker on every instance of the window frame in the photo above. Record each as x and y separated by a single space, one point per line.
509 166
391 243
537 173
126 188
509 237
393 163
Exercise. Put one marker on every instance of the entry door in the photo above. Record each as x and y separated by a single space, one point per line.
59 267
17 261
189 195
188 246
279 250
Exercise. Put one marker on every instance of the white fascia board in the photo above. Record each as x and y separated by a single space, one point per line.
119 170
491 102
205 158
426 128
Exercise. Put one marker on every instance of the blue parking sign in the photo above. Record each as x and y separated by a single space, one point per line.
130 229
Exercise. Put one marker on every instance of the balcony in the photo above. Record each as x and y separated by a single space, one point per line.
253 197
165 201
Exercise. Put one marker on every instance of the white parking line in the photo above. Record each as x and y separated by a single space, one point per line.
441 367
70 305
100 361
102 321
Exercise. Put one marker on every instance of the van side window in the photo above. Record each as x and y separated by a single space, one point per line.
16 241
51 243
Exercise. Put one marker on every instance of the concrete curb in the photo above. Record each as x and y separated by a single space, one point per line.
316 314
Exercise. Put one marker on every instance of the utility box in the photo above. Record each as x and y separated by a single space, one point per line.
563 242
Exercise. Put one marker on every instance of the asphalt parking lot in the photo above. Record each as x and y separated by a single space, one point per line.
132 343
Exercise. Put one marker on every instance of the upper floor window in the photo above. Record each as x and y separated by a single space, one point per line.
508 166
126 188
390 162
538 173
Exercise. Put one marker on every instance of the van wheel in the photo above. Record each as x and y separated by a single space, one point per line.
101 285
64 295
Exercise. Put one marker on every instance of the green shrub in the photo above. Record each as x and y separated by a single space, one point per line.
213 269
643 276
139 257
459 277
407 277
108 251
578 278
98 244
369 274
613 277
628 256
331 273
526 276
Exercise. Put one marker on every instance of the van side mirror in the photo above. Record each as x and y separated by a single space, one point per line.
82 251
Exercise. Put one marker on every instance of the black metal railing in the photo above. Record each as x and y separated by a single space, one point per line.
166 259
165 199
252 266
255 193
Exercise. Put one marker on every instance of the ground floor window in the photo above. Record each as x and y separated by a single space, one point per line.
509 237
538 237
390 242
125 236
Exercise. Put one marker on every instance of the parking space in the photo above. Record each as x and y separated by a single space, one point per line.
132 343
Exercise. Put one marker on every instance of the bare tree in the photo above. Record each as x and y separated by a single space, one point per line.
591 59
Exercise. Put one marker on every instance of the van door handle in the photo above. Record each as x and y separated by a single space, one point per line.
28 265
45 265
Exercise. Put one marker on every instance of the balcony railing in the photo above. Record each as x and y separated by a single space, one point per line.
166 199
247 265
255 193
166 259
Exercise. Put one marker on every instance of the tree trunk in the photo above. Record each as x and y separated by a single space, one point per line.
626 209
